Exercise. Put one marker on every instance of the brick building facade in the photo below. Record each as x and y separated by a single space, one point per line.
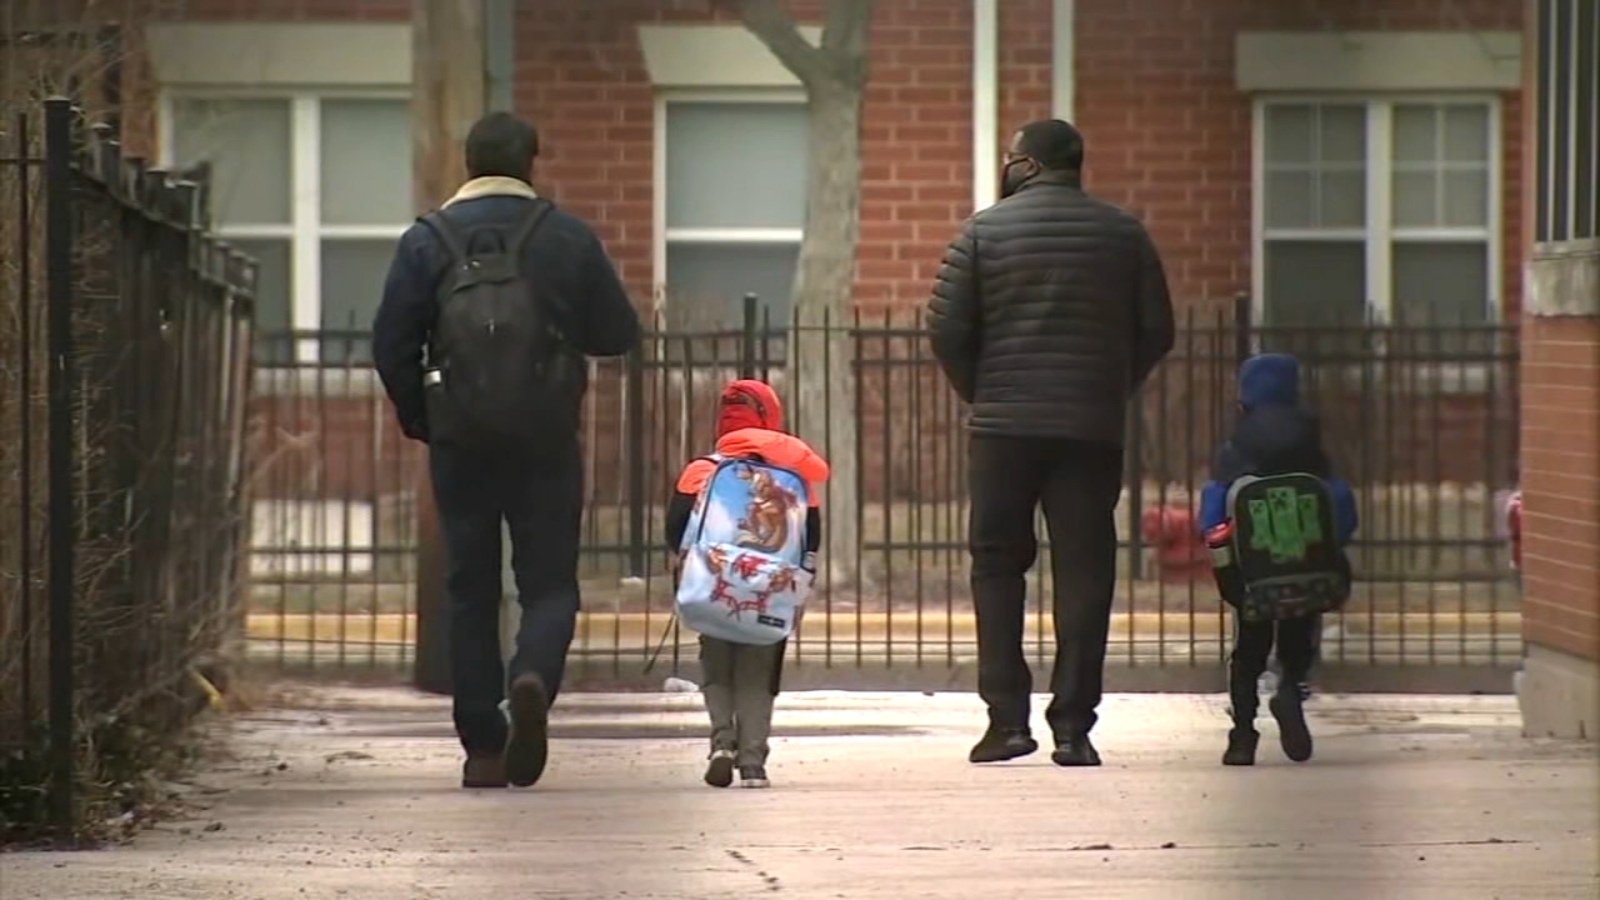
1176 98
1340 159
1560 691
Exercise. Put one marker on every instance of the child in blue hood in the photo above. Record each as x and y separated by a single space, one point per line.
1273 436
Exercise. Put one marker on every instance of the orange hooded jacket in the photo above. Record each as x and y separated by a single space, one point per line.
749 425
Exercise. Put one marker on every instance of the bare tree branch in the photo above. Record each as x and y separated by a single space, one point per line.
772 26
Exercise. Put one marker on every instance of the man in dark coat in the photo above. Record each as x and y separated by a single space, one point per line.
1051 308
534 486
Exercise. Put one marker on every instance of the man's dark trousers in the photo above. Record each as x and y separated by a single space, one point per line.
539 495
1078 484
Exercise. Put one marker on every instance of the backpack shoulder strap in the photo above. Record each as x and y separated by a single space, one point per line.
449 235
1238 485
530 224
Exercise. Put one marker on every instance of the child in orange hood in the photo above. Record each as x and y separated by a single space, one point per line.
740 681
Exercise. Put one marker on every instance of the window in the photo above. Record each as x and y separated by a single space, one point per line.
317 188
733 198
1384 211
1567 50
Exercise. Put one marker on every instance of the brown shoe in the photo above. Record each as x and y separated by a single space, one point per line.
484 772
528 745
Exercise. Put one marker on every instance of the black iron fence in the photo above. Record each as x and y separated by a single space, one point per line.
1422 419
124 343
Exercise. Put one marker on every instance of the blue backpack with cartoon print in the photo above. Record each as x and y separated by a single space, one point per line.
744 575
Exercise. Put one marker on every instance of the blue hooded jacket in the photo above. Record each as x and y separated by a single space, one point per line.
1273 436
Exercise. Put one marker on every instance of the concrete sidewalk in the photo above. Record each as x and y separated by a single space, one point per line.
352 795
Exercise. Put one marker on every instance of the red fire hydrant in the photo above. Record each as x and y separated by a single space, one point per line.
1181 555
1514 527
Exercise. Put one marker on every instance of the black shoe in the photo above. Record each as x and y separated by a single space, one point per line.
753 777
1241 747
1001 744
1075 751
484 772
528 746
1293 733
719 772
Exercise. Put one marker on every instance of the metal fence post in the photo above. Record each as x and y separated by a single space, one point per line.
62 502
26 406
1241 328
748 337
634 404
1135 458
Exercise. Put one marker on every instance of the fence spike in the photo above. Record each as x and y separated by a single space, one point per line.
229 264
240 270
132 177
216 261
80 137
209 256
249 274
153 192
108 166
186 204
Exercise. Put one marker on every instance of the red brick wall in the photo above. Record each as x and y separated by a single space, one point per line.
581 78
1561 484
1168 134
1560 448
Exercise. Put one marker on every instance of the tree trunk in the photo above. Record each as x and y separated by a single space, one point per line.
822 349
448 96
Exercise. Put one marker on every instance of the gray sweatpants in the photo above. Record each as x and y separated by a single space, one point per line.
740 683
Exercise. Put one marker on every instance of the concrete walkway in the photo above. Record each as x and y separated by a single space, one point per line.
352 795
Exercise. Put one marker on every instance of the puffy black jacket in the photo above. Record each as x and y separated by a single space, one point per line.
1050 309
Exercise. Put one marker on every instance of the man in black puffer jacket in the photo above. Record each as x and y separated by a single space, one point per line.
1050 310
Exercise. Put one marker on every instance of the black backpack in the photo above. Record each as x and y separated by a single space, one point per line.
500 369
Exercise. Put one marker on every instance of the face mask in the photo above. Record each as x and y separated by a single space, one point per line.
1014 174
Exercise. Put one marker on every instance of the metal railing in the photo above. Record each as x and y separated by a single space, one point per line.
124 342
1421 419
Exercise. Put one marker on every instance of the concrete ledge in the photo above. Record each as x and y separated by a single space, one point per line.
277 54
1559 695
1378 60
1173 677
1563 279
589 674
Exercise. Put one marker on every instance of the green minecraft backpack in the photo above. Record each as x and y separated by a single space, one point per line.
1286 547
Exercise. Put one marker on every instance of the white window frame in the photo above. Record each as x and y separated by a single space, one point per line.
304 231
664 235
1379 234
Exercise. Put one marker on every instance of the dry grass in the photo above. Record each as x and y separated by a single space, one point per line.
140 637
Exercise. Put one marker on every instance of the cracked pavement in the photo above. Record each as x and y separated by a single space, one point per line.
352 794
